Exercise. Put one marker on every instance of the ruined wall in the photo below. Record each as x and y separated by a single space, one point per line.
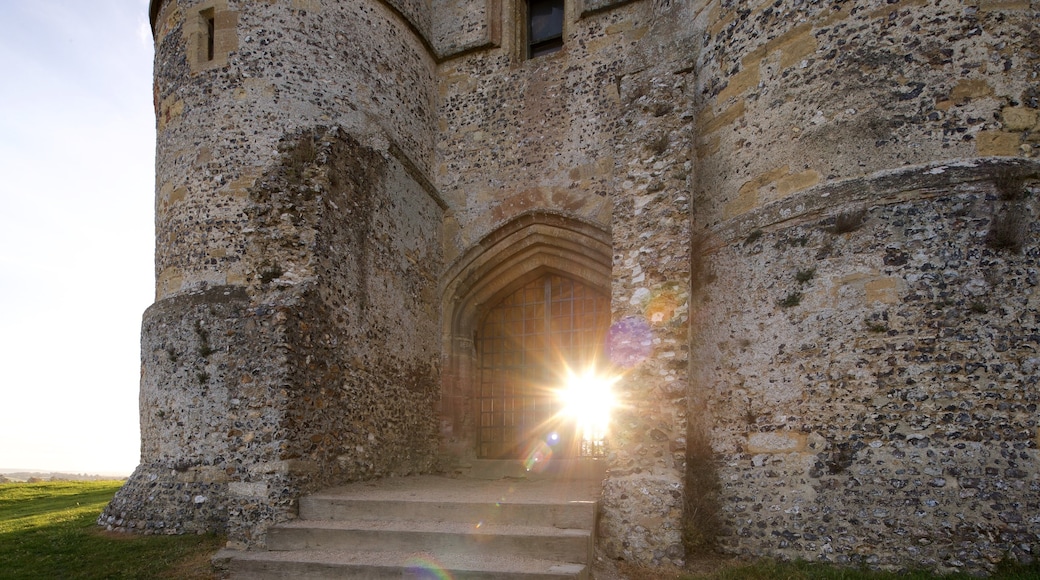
190 454
293 342
864 326
364 350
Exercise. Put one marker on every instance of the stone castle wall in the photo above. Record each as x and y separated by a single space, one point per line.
870 394
872 399
817 223
297 255
220 127
643 496
522 134
557 133
797 94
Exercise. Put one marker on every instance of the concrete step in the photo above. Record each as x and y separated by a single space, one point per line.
565 545
558 514
585 469
329 565
433 527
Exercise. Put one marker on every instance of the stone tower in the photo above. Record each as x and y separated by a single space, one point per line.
806 234
293 341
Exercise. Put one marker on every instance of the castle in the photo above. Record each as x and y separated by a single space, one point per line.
806 233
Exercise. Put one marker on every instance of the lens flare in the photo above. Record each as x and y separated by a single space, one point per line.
426 568
629 342
537 456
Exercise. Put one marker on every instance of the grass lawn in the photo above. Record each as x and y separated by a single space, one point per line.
48 530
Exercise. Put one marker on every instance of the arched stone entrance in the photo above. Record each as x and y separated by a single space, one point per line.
527 345
500 353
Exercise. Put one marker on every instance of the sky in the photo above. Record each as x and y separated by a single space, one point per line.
77 143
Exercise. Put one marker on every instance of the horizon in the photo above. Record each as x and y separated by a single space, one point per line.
10 470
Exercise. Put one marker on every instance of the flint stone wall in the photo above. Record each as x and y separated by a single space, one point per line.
865 303
823 288
316 373
559 132
873 395
796 94
354 65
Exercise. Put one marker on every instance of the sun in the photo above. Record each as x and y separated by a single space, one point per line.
588 400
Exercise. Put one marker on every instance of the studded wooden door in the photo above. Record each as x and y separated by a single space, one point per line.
526 343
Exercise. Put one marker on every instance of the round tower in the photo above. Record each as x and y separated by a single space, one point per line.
864 328
297 240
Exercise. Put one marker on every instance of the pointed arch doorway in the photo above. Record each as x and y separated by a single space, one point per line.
496 393
526 345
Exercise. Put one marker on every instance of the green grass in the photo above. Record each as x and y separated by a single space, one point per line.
48 530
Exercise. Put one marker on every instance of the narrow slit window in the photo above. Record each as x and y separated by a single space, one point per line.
208 35
211 30
544 27
211 34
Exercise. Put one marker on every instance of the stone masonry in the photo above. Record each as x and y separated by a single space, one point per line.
816 222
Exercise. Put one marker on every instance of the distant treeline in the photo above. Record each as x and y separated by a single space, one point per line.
37 477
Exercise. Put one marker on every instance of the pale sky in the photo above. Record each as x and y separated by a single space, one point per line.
77 144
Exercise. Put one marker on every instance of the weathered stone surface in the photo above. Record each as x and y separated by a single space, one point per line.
289 349
641 517
261 391
893 405
464 25
816 222
847 90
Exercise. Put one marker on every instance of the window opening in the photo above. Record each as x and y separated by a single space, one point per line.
210 20
544 27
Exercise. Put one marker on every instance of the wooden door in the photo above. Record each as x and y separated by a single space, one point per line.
526 342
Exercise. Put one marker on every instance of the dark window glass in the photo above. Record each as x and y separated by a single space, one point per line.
545 26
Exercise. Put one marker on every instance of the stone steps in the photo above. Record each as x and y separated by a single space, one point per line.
419 527
434 537
326 565
558 515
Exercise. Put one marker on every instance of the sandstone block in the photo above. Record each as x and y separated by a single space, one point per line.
998 143
1019 118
